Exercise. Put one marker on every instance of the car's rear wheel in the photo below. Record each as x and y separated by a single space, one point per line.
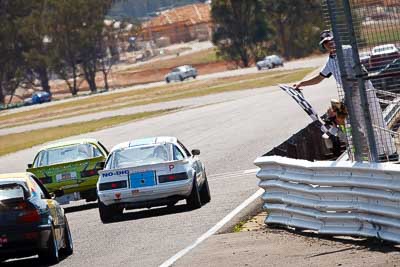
89 195
181 78
106 212
118 211
205 195
68 245
50 255
194 200
194 76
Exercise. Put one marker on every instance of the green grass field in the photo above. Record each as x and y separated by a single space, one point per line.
374 35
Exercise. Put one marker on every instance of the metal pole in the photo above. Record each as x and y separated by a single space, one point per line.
361 83
356 135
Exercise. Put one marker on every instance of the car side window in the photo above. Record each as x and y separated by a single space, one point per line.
178 154
185 149
41 159
37 189
96 151
110 161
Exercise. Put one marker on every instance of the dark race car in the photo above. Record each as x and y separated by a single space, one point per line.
31 221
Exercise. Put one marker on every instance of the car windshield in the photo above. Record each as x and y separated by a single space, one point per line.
66 154
12 191
140 155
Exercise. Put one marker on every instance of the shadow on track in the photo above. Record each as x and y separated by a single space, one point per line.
82 207
154 212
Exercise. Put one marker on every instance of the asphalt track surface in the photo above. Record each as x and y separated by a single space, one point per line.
230 133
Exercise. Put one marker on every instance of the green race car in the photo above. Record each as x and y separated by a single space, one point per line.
70 166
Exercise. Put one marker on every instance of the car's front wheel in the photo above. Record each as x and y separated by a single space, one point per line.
205 195
259 67
181 78
167 80
194 200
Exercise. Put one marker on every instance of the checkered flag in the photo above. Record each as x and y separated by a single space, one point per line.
328 130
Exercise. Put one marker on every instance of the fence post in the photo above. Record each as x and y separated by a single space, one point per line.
359 74
355 132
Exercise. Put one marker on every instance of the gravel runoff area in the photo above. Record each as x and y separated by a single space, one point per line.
259 245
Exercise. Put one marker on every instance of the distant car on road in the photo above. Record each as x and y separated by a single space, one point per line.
383 55
181 73
151 172
71 167
38 98
31 221
270 62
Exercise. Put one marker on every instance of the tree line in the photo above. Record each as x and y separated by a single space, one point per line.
246 30
39 38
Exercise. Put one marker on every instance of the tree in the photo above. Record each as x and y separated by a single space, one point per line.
93 13
65 26
297 24
240 29
12 45
38 44
76 31
114 34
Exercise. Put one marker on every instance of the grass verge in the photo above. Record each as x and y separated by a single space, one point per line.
18 141
238 227
377 34
175 91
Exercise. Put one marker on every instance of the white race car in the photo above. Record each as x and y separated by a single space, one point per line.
151 172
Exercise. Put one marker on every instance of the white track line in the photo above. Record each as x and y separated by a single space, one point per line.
214 229
236 173
251 171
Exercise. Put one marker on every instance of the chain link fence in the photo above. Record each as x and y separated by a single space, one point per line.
366 35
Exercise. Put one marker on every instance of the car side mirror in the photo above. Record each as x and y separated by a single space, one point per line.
30 165
58 193
196 152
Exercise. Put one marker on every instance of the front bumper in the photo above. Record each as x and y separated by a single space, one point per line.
178 189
